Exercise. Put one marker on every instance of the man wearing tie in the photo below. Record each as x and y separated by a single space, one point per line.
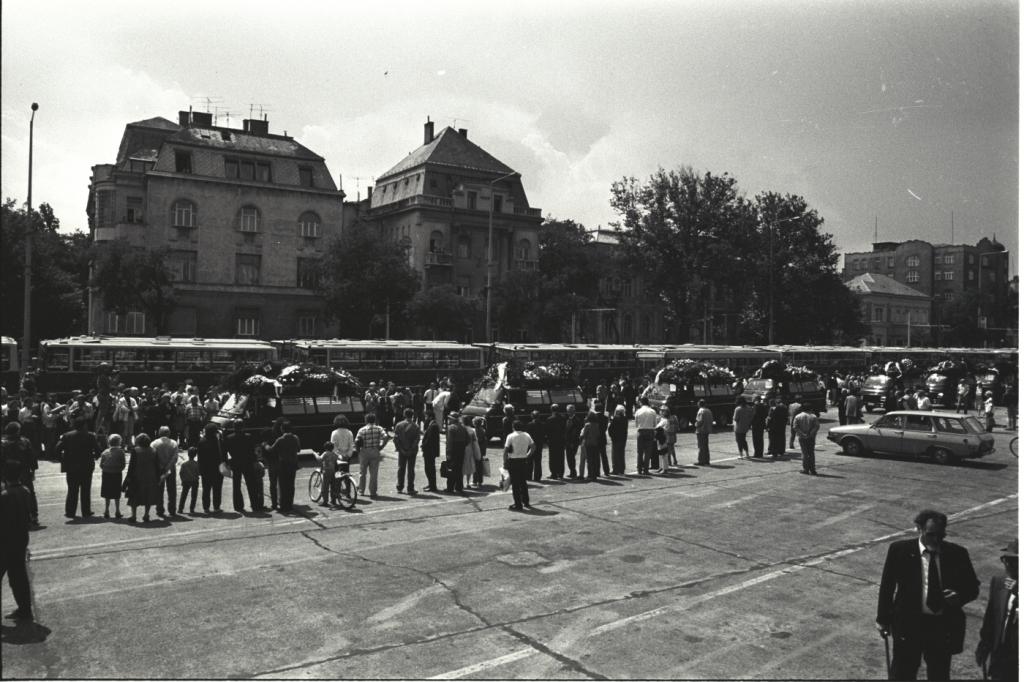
998 645
925 583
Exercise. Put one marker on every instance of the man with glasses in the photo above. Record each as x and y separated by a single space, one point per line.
925 584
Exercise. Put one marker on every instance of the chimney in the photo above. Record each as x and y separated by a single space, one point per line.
255 126
202 119
369 192
464 132
183 118
428 131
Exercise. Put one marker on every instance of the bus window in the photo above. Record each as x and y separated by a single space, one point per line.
87 359
318 356
566 396
294 406
129 359
192 360
58 360
161 360
536 397
221 360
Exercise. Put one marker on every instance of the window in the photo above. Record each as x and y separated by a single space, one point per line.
919 422
970 259
984 261
523 249
263 172
246 170
938 259
307 325
247 269
133 212
305 176
913 276
948 275
949 259
609 327
627 326
183 162
970 275
947 295
991 275
627 287
496 199
247 323
132 322
891 261
436 242
182 265
105 208
938 274
462 287
877 263
249 219
879 314
184 213
471 200
462 247
231 168
309 225
913 261
308 273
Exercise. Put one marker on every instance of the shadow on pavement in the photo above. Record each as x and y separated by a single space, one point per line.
226 514
719 466
829 476
539 512
24 632
257 514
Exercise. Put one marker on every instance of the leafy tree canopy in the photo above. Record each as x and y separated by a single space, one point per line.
442 310
128 278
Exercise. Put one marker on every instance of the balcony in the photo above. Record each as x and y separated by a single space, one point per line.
526 265
439 258
530 212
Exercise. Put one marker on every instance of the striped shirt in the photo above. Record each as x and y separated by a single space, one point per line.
373 436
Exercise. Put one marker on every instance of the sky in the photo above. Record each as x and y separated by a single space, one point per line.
899 112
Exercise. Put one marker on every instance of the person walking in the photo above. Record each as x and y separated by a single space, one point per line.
142 480
431 446
371 439
211 456
15 510
554 436
998 642
112 463
806 426
286 450
646 422
573 426
618 427
241 451
456 440
166 449
407 442
757 426
742 418
703 425
925 584
518 446
78 452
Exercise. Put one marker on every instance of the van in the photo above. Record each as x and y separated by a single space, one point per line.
489 402
874 389
810 392
682 399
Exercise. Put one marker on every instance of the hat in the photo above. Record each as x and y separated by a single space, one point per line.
1011 549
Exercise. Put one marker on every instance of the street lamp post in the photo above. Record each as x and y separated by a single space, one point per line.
27 319
490 253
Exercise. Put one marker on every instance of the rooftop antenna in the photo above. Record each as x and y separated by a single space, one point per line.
876 229
952 229
455 121
262 109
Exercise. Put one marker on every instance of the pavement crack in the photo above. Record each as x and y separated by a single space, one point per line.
570 663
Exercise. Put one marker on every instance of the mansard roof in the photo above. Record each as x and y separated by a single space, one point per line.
452 149
874 283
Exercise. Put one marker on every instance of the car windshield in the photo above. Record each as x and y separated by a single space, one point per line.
936 378
234 407
973 425
485 397
876 382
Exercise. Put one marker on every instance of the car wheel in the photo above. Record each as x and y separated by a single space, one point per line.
943 456
853 447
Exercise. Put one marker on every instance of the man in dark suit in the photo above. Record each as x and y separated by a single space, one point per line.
998 645
925 583
78 451
554 433
536 428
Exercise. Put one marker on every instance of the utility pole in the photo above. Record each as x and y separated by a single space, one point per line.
29 235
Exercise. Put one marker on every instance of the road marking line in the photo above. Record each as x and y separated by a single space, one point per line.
477 667
771 575
732 503
842 517
405 604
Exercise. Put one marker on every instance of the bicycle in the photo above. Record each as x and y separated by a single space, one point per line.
348 487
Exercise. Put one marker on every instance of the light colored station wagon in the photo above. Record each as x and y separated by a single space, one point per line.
946 437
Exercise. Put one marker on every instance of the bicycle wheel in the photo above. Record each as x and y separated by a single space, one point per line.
347 492
316 486
1013 446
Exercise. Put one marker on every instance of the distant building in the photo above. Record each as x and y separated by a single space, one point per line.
947 274
896 314
437 202
245 215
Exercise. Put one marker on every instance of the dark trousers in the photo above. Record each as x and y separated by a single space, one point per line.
518 470
186 490
618 457
193 429
407 472
170 486
777 441
703 448
79 484
537 463
807 452
604 459
273 473
286 483
927 641
213 482
645 450
842 416
741 443
593 461
556 460
430 471
454 483
758 438
253 486
15 567
570 457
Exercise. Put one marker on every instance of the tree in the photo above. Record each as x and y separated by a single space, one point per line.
132 278
515 301
569 279
364 277
442 310
59 274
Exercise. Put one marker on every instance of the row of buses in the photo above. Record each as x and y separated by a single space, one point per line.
70 363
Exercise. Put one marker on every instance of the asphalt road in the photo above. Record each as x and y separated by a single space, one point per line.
745 569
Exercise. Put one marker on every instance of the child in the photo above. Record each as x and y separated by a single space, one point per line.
328 465
189 481
112 463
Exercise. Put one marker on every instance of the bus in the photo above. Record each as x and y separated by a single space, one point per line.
10 364
742 360
405 362
824 359
591 361
72 363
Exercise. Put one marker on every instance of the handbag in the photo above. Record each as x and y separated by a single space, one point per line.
445 469
506 479
225 470
485 467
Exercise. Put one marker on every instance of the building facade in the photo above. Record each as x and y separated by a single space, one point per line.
895 314
948 274
437 202
243 216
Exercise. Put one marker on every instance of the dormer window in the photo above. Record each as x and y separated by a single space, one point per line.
183 162
305 176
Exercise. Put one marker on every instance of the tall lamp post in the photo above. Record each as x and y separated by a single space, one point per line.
490 253
27 319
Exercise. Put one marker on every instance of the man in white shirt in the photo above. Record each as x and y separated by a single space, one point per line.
518 448
440 404
924 403
646 423
166 449
703 425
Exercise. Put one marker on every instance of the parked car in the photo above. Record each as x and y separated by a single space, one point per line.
874 390
946 437
489 402
810 392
